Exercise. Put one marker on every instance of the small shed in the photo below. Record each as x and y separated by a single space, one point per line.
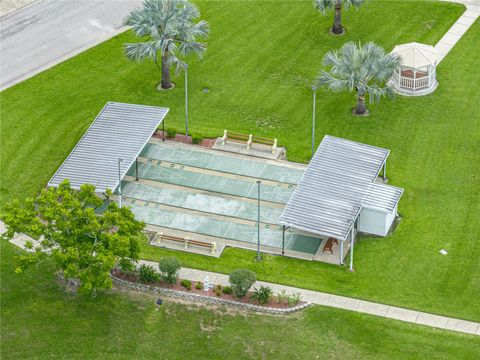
379 210
416 74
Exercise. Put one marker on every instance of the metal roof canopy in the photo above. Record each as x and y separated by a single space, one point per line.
120 131
336 184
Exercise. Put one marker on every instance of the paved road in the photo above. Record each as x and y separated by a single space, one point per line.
47 32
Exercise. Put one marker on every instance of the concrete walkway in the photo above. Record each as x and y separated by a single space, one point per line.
319 298
346 303
454 34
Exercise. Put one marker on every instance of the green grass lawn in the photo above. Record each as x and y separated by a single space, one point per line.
42 321
261 60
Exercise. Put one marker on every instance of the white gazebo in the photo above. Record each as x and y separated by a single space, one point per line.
416 74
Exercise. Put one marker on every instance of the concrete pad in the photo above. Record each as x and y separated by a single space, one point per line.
459 29
372 308
344 303
466 20
402 314
3 228
432 320
468 327
471 13
451 38
258 150
443 48
316 297
22 239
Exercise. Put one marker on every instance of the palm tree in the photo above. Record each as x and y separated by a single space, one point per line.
364 69
324 5
172 32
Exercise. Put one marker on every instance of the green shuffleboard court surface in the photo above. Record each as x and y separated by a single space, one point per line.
175 174
202 202
253 167
270 235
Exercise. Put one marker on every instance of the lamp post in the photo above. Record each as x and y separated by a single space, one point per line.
119 184
314 89
186 100
258 222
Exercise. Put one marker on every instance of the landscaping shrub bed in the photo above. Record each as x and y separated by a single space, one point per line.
277 301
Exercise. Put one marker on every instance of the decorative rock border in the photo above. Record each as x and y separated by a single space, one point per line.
205 299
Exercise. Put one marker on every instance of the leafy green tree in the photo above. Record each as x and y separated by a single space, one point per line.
363 69
83 245
324 5
171 32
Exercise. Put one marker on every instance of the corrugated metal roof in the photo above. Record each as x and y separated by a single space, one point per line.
334 187
383 197
120 131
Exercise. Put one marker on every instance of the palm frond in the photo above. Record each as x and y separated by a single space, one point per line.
324 5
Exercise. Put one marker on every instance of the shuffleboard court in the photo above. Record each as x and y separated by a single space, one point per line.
208 203
201 224
253 167
177 175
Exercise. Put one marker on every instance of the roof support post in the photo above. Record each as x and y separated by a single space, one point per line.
341 252
258 222
283 240
136 169
163 130
119 185
352 241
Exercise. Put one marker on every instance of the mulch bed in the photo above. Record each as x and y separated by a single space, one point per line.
208 143
274 303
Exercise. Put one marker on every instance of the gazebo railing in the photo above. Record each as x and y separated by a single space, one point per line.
413 83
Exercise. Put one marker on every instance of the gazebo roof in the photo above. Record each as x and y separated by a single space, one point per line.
416 55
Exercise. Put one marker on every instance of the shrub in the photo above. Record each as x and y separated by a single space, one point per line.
263 295
282 297
196 139
126 265
294 299
241 280
147 274
198 285
227 290
187 284
171 133
169 267
218 290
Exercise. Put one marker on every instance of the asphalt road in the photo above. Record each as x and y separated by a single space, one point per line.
48 32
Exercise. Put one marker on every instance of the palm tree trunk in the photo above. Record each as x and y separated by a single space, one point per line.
361 108
166 83
337 27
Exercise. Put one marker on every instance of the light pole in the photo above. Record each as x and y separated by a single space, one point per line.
258 222
119 184
186 100
314 88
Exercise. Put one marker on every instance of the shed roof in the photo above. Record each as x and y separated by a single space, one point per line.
120 131
336 184
383 197
415 55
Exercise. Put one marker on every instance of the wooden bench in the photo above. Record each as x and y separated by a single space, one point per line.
329 245
159 237
249 139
